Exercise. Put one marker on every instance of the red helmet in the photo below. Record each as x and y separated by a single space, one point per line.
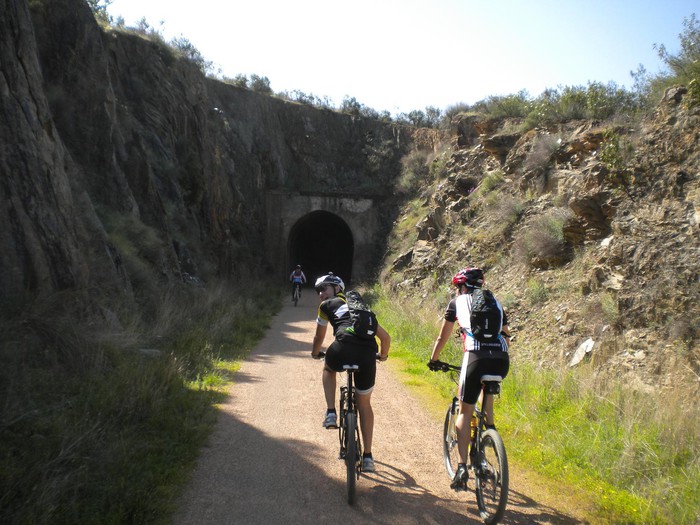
469 276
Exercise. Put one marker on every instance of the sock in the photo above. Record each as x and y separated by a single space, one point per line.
330 411
366 455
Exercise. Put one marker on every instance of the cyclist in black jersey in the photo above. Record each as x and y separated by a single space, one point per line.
347 349
476 363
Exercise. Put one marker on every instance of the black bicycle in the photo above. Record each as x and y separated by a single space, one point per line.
297 293
349 431
487 455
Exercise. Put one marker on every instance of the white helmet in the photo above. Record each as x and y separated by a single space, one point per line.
329 279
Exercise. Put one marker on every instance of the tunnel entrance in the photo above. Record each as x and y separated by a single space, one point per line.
321 242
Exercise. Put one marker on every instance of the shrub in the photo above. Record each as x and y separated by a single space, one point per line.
508 106
430 118
615 154
438 167
504 211
536 292
490 181
414 171
542 150
542 244
187 50
260 84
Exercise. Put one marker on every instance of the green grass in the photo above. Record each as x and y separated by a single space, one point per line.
95 430
633 457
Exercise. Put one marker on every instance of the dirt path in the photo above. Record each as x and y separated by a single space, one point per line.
269 460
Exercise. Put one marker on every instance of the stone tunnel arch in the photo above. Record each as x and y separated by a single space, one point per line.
321 242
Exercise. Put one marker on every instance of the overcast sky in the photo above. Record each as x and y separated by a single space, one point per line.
401 55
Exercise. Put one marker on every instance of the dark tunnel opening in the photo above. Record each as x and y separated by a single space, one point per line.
321 242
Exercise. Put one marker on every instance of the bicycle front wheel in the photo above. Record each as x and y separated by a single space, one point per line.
491 475
449 440
351 453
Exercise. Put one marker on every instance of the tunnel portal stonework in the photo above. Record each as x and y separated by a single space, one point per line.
334 228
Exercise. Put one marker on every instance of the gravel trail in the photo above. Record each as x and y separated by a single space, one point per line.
269 461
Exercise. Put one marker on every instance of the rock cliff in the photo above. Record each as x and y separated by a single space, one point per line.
589 231
121 161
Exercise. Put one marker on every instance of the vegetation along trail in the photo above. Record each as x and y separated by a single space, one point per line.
269 460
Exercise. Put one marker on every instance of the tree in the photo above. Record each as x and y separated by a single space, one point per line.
191 53
260 84
99 9
684 66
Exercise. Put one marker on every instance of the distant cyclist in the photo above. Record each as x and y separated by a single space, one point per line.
297 278
479 359
347 349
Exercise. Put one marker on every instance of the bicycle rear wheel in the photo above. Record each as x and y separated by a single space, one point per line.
351 453
492 477
449 440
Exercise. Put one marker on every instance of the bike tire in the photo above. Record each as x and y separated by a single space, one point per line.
296 295
492 481
449 441
351 455
341 424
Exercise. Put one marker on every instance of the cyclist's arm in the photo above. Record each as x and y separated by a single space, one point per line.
318 338
505 332
384 343
441 341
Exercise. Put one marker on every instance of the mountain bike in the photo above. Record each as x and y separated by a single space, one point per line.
297 293
349 432
487 455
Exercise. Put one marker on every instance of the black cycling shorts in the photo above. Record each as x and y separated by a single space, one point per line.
345 352
483 362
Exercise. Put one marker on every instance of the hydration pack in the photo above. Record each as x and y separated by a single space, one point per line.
486 316
364 321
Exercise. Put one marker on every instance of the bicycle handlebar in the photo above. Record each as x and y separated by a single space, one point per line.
440 366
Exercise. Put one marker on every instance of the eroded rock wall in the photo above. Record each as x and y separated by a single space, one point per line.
115 148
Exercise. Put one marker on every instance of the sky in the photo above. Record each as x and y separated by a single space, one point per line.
404 55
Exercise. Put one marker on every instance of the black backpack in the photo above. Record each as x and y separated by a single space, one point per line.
364 322
486 316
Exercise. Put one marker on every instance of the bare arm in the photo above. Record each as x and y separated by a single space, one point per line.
506 333
445 332
384 343
319 336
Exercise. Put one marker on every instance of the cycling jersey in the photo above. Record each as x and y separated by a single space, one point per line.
297 277
459 311
348 349
478 359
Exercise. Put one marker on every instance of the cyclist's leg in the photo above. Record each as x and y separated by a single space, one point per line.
364 409
333 363
497 366
329 383
364 384
469 394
